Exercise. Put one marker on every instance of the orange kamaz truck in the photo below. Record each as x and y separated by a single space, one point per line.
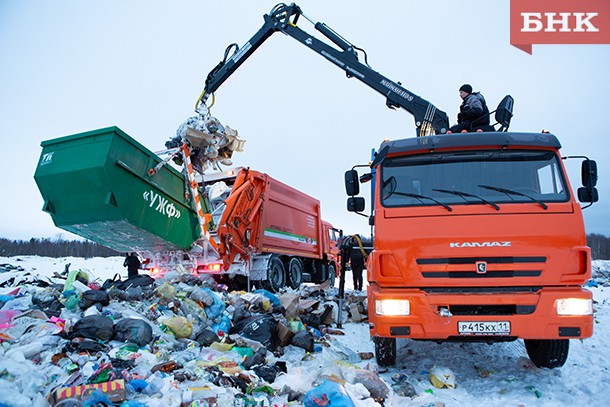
477 237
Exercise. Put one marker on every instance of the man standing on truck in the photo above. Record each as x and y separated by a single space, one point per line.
474 113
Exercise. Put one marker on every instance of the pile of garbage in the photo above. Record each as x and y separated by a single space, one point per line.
183 340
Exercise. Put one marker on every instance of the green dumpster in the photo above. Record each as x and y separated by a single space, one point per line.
95 185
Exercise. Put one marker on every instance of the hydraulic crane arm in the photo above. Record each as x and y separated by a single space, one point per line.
428 119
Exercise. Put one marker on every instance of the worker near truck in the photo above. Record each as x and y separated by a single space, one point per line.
357 264
474 113
132 262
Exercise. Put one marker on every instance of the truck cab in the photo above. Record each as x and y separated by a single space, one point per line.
478 237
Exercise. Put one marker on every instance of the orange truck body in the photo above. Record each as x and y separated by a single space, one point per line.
265 219
474 266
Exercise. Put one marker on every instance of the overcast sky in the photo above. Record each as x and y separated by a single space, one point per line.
73 66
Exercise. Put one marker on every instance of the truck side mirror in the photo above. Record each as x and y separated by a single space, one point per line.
352 187
355 204
589 174
586 194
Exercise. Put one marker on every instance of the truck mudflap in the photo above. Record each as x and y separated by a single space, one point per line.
516 312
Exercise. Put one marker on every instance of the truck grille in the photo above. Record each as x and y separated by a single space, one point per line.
471 272
504 309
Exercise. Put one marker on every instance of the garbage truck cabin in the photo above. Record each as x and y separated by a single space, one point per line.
477 237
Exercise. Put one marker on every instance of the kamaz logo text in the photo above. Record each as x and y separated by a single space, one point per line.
163 206
480 244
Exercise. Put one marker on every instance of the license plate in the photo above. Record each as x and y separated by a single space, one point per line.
484 328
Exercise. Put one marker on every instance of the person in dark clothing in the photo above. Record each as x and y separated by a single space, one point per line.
474 114
132 262
357 264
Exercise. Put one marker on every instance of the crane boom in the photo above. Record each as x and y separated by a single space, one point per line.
428 119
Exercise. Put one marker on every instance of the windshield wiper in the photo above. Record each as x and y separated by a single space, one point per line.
420 197
510 192
464 194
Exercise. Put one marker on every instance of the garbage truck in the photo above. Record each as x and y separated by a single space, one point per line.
476 236
99 185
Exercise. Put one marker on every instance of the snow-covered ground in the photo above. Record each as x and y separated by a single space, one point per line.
486 375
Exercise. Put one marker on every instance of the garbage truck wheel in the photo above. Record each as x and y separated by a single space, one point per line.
385 351
295 273
549 353
276 275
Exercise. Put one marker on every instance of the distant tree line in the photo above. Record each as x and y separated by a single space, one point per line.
54 248
600 246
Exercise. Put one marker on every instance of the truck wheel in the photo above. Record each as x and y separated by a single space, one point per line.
331 275
295 273
276 275
385 351
550 353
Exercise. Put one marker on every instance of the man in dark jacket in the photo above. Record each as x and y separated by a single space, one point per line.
357 263
474 113
132 262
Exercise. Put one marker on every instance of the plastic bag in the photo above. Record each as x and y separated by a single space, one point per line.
133 330
442 377
372 382
303 340
94 327
207 337
328 394
141 280
166 291
218 305
76 275
112 282
202 296
92 297
224 326
275 301
180 326
259 328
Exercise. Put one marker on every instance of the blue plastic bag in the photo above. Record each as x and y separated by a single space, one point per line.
328 394
217 307
224 325
272 298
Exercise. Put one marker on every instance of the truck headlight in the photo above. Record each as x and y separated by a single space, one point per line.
392 307
574 306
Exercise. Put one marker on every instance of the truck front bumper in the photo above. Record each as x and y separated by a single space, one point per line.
459 314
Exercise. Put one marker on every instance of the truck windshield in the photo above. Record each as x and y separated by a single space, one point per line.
483 177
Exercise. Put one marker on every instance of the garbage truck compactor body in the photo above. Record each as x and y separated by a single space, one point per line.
478 238
277 227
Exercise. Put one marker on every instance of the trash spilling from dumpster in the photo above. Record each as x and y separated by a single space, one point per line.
210 142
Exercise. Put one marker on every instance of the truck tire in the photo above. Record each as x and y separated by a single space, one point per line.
331 275
276 275
549 353
295 273
385 351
